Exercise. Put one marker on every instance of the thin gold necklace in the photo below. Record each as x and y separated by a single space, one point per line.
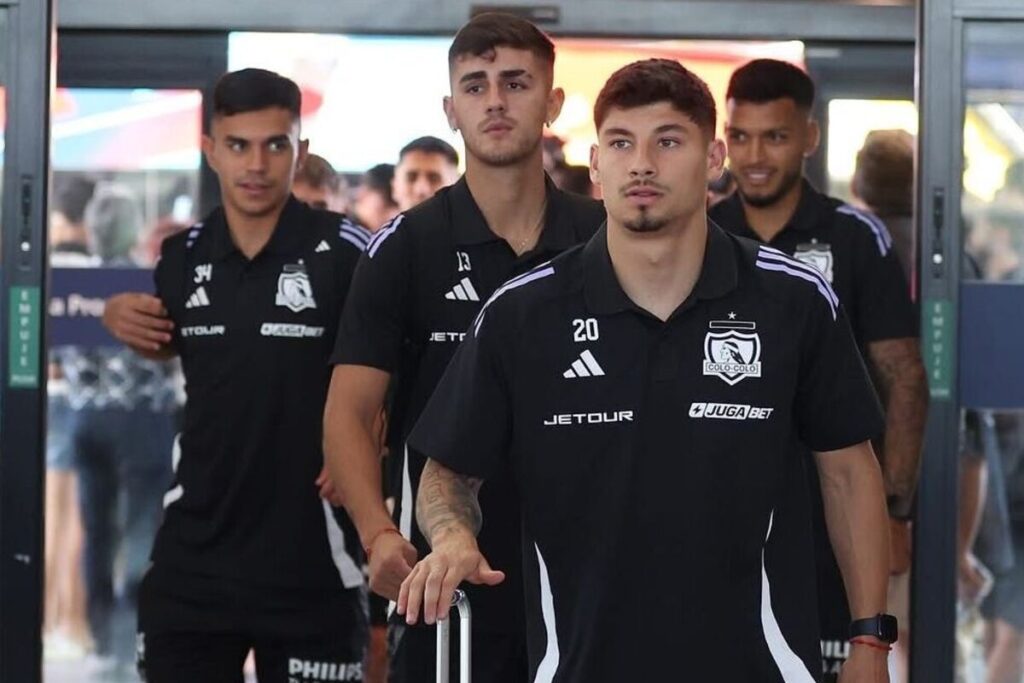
520 246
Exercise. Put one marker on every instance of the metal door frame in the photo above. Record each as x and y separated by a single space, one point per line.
23 264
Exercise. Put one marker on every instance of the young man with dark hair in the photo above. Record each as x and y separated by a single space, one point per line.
648 390
770 131
249 556
423 280
425 165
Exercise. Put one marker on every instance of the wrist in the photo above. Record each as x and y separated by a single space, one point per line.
870 644
453 534
900 507
375 532
881 627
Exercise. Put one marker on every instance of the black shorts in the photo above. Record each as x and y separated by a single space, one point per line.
201 629
497 657
219 657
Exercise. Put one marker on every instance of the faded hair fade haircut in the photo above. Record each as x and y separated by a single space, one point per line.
766 80
658 80
240 92
487 31
428 144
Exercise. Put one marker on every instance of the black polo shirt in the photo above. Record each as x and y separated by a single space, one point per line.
853 249
652 458
421 283
254 339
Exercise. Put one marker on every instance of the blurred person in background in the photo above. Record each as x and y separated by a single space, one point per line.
374 205
721 188
576 179
319 185
66 631
883 183
1003 607
122 434
996 236
425 165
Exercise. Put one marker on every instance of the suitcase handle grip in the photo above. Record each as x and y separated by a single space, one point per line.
460 601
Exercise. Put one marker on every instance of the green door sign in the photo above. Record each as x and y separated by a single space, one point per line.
938 347
23 345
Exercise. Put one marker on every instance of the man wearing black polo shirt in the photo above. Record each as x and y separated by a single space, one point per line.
648 391
422 281
770 132
248 556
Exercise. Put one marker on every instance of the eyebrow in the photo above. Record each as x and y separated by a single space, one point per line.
671 128
231 139
507 74
737 129
514 73
667 128
473 76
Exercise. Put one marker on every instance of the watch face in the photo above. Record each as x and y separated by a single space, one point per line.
888 628
884 627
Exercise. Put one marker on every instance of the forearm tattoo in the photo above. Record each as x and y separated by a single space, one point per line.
903 387
447 502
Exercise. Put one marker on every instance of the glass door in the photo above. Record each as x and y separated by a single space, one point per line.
990 544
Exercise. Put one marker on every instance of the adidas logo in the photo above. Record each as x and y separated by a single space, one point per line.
199 299
322 247
584 366
463 292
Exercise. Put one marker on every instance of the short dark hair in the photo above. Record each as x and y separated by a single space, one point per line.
488 31
658 80
72 195
378 179
428 144
766 80
318 173
240 92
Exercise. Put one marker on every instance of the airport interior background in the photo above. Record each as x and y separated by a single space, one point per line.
118 135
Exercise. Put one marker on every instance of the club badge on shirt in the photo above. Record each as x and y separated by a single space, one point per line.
294 290
816 255
732 350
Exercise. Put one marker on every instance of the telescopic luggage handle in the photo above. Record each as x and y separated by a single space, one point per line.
460 601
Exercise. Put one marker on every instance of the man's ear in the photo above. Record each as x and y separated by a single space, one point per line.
303 153
207 145
716 159
449 112
556 98
595 173
813 138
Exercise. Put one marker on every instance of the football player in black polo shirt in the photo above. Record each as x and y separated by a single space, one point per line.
648 391
421 282
770 132
249 556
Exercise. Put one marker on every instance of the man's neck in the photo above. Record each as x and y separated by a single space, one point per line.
251 233
658 271
769 221
511 198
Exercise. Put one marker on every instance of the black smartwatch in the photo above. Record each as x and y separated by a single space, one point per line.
881 626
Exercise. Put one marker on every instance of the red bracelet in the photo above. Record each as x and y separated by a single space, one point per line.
373 539
861 641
